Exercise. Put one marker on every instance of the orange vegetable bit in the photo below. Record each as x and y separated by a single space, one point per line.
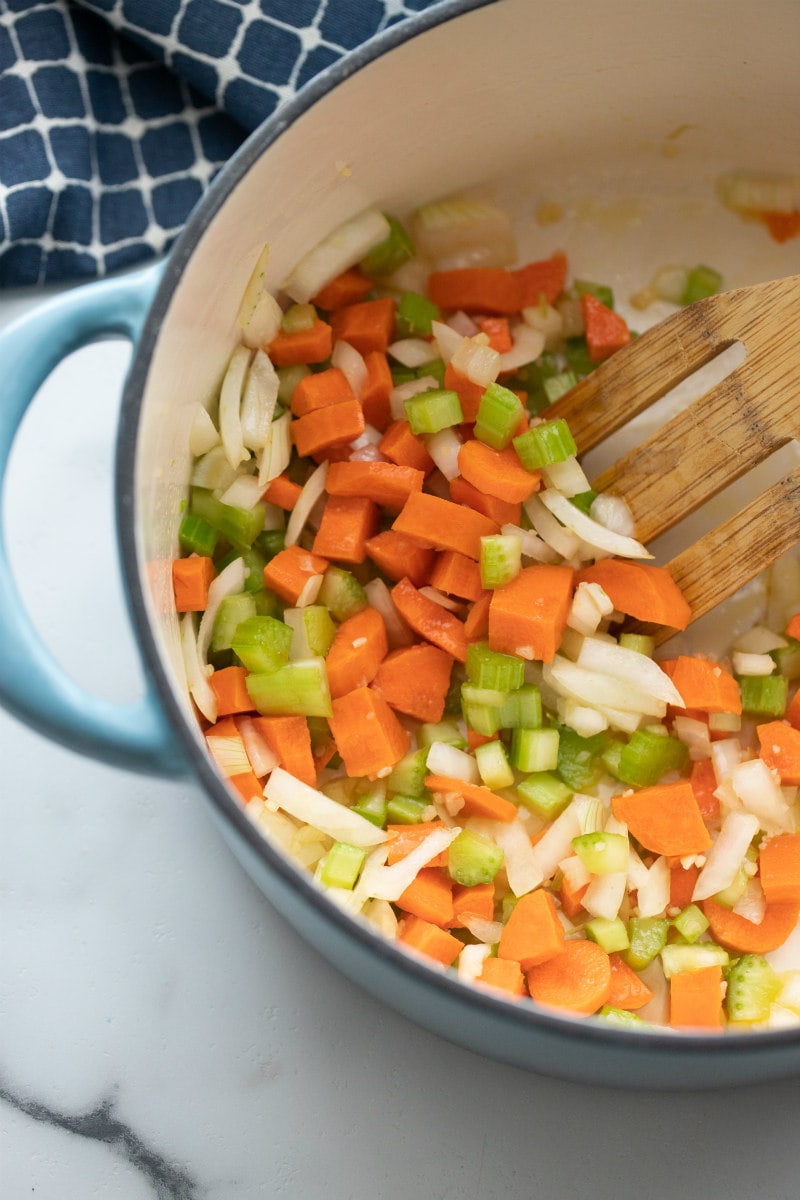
578 980
779 868
497 331
504 975
780 749
502 512
366 326
793 628
191 579
528 616
399 556
386 483
444 525
546 277
347 288
283 492
225 727
320 389
228 685
793 710
704 785
665 819
430 620
347 524
476 900
289 573
377 390
428 939
368 735
429 896
695 999
681 884
405 838
479 801
606 331
533 933
628 991
247 785
497 473
744 937
476 625
415 680
469 393
405 448
328 427
571 897
640 590
356 652
491 290
456 575
782 226
289 739
704 685
312 345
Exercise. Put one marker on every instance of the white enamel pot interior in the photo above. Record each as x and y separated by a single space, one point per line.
623 114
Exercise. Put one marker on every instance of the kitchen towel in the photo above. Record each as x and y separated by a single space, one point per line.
116 114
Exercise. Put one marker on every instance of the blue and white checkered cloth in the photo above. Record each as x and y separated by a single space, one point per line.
116 114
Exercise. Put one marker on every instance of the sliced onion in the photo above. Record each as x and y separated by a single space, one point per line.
389 883
318 810
551 531
532 545
759 792
694 734
277 453
352 365
412 352
229 582
397 631
527 345
262 759
567 477
636 670
589 531
230 402
476 359
759 640
556 842
584 720
432 593
196 670
488 932
444 448
752 904
463 323
590 605
404 391
445 228
258 402
470 962
725 857
546 320
605 894
313 489
244 492
653 895
203 433
341 249
213 471
748 192
613 513
601 691
523 870
229 754
446 338
752 664
444 759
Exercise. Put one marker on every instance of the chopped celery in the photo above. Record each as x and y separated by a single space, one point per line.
415 314
405 810
499 414
640 642
648 756
241 526
435 368
408 776
482 708
288 379
700 283
500 559
295 688
690 923
298 318
270 542
197 536
752 987
576 353
342 865
493 765
488 668
544 444
390 254
621 1016
763 695
522 708
544 794
262 644
534 750
579 762
230 614
473 859
267 603
678 957
608 932
429 412
602 853
647 937
601 291
401 374
584 501
558 385
341 593
373 806
254 563
313 630
441 731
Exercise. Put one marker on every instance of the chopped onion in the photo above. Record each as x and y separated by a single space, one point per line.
605 894
259 312
556 842
470 962
551 531
262 759
759 791
313 489
601 691
634 669
488 932
244 492
575 872
412 352
440 598
694 734
638 873
726 855
613 513
196 670
389 883
277 453
584 720
523 870
752 904
590 531
213 471
726 753
653 894
463 323
527 345
759 640
476 359
531 544
381 917
229 582
547 321
258 402
752 664
590 605
567 477
397 631
445 228
341 249
748 192
444 448
318 810
444 759
230 402
447 339
352 365
203 434
404 391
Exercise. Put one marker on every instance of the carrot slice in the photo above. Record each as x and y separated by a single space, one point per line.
779 868
456 575
366 326
479 801
704 784
497 331
248 785
497 473
430 620
640 590
386 483
356 652
228 685
571 897
428 939
476 900
503 974
289 573
399 556
695 999
289 739
405 448
606 331
443 524
528 616
346 525
780 749
405 838
312 345
546 277
320 389
577 980
628 991
476 625
415 680
703 685
191 579
782 226
376 390
429 896
368 735
665 819
283 492
328 427
347 288
469 393
744 937
476 289
502 512
533 933
681 884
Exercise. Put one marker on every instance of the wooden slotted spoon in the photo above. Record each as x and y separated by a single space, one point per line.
719 437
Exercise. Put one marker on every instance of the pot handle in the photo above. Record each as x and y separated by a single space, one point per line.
32 684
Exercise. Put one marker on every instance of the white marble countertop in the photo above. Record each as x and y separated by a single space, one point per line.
163 1034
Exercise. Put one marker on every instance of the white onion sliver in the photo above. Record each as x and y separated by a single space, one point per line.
521 865
444 759
318 810
230 401
440 598
612 512
725 857
653 894
213 471
527 345
567 477
397 631
488 932
446 338
352 365
475 359
470 962
601 691
313 488
412 352
262 758
752 904
229 582
609 658
229 754
244 492
532 545
389 883
203 433
258 402
556 843
562 540
404 391
444 448
591 531
277 453
196 678
605 894
759 791
341 249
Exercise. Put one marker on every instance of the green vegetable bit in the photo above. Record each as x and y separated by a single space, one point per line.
579 763
752 987
262 644
342 865
241 526
488 668
341 593
678 957
648 756
764 695
372 805
608 932
534 750
544 444
430 412
647 937
390 254
600 291
499 414
230 614
197 536
500 559
405 810
473 859
691 922
408 776
544 794
415 314
602 853
700 282
295 688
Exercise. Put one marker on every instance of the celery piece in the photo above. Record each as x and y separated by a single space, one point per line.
270 542
600 291
473 859
230 614
296 688
621 1016
241 526
262 644
267 603
579 762
700 283
313 631
647 937
390 254
405 810
408 775
576 353
787 659
558 385
500 559
197 536
522 708
611 756
602 853
763 695
298 318
534 750
546 443
493 765
752 987
608 932
733 893
487 668
341 593
401 374
690 923
254 563
414 315
648 756
429 412
482 709
373 806
288 379
640 642
584 501
441 731
499 414
435 368
342 865
678 957
544 794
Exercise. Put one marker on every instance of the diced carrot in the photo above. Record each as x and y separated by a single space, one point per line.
347 288
681 884
228 685
546 277
780 749
430 940
533 933
291 569
528 616
191 579
328 427
405 838
456 575
704 784
744 937
497 472
247 785
283 492
377 390
665 819
386 483
479 801
703 685
415 680
469 393
640 590
312 345
476 624
405 448
368 735
606 331
475 900
793 627
429 896
578 980
779 868
225 727
491 290
503 974
475 739
430 620
289 739
497 331
695 999
366 326
782 226
793 710
356 652
571 897
346 525
320 389
502 512
443 524
399 556
628 991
